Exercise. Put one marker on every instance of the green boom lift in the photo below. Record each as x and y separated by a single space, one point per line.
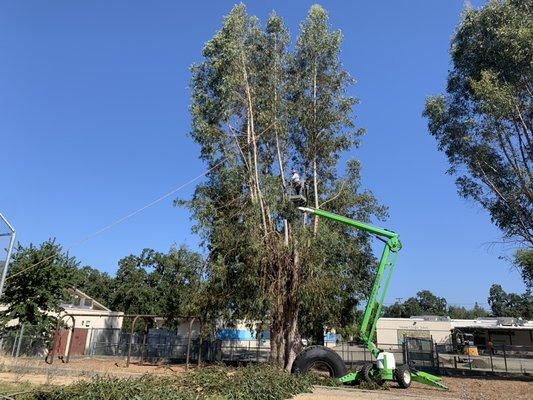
384 368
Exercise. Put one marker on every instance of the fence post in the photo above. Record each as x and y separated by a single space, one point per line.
143 347
15 344
505 357
20 340
437 355
491 363
200 343
189 344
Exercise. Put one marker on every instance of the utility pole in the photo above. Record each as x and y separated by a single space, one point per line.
12 235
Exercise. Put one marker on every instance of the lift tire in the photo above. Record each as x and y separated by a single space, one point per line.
403 376
371 374
366 372
312 355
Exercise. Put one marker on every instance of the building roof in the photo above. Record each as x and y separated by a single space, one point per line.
95 304
483 323
493 323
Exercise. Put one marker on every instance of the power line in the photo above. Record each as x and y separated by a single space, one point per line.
122 219
139 210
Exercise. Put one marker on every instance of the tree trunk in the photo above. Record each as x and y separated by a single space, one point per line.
315 192
252 140
314 149
293 344
277 344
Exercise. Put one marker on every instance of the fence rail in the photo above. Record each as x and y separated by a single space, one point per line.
163 345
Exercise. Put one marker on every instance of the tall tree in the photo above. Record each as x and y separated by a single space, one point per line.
264 262
37 285
321 109
484 121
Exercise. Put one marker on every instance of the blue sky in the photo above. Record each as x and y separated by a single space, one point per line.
94 119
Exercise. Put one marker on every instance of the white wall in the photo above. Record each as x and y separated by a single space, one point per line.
388 329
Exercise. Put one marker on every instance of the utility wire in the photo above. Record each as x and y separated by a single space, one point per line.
134 213
122 219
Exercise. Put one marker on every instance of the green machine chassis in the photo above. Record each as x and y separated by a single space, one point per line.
375 302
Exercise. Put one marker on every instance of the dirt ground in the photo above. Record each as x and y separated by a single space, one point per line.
460 388
37 372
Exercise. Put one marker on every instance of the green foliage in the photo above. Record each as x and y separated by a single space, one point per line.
514 305
258 108
426 303
484 122
524 262
460 312
253 382
34 294
166 284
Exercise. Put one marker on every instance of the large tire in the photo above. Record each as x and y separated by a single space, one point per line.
403 376
313 355
366 372
371 374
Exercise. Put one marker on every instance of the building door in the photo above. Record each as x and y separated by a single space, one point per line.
60 341
79 340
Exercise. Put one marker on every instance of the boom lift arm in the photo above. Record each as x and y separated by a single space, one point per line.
386 366
386 266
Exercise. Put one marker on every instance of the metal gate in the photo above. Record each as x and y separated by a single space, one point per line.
421 354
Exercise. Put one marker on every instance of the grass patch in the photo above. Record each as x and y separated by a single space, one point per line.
9 388
252 382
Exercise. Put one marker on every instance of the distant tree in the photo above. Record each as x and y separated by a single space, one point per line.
484 122
165 284
426 303
430 303
460 312
134 293
510 304
99 285
37 285
179 281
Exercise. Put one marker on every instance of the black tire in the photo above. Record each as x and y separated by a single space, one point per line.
366 372
403 376
371 374
315 355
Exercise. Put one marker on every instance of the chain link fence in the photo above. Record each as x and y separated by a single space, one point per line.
161 345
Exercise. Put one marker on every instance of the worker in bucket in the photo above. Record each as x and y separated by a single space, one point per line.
296 182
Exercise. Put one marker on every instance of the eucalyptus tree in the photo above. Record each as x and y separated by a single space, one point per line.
250 99
484 121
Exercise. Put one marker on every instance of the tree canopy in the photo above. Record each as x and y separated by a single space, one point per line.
167 284
259 108
515 305
484 121
33 295
427 303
